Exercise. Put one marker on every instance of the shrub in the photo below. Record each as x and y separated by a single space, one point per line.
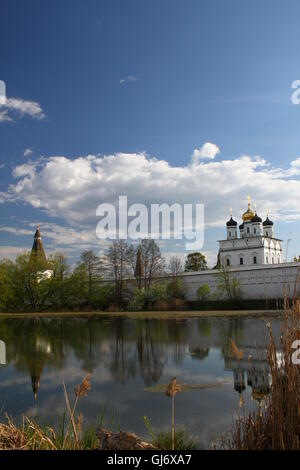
175 289
138 301
157 293
203 293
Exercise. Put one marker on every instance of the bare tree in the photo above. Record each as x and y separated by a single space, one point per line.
175 266
93 268
119 261
152 260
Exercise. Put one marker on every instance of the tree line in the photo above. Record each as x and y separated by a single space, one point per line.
96 282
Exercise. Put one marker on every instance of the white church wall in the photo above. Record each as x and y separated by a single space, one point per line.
256 282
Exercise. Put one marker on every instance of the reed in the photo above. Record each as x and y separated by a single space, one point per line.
275 425
172 389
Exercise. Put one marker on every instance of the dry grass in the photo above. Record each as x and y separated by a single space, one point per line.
11 438
275 425
30 436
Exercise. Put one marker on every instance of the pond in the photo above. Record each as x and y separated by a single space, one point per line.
128 360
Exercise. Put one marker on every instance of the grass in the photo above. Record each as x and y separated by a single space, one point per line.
275 425
163 439
69 434
182 440
30 436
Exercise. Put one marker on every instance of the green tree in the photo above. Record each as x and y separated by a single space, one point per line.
31 286
60 292
7 300
195 262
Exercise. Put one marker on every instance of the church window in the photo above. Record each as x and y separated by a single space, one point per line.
254 260
241 260
272 260
228 262
267 260
248 230
254 230
229 234
267 233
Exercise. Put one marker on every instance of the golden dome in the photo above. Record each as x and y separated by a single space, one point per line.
249 214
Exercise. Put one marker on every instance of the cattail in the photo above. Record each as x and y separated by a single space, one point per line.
234 352
83 389
172 389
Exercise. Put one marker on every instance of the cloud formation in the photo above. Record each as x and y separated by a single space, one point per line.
17 108
72 189
207 151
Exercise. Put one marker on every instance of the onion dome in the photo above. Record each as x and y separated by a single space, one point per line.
268 222
249 214
256 219
231 223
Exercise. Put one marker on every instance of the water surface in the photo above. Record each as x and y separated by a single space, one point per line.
128 359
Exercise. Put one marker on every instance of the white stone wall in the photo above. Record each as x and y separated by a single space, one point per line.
265 249
256 282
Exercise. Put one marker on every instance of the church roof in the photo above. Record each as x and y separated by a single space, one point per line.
37 251
256 219
248 215
268 222
231 223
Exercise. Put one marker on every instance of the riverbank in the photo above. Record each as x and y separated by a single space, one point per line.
171 315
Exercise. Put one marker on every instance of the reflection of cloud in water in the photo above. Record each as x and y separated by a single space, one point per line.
124 357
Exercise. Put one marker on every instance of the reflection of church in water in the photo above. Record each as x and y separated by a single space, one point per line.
251 370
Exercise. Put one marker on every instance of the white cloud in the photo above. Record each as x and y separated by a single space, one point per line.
4 117
129 78
72 189
27 152
19 108
207 151
10 252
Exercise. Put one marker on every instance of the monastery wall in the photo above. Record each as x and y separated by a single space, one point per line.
256 282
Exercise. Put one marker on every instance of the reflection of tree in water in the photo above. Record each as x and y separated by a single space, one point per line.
121 363
199 353
179 338
204 326
124 347
30 348
150 354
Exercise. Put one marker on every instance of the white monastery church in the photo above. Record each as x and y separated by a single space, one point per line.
256 243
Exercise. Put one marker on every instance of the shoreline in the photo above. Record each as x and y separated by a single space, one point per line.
171 315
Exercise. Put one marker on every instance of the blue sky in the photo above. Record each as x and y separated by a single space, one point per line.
149 79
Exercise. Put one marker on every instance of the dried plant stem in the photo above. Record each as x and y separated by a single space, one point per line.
71 414
173 427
